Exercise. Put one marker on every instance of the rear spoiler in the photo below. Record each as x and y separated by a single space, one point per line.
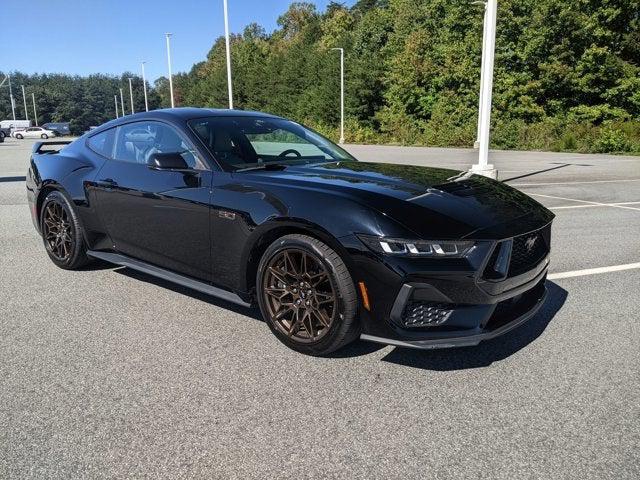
42 148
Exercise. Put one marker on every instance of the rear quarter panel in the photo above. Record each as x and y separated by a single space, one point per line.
68 171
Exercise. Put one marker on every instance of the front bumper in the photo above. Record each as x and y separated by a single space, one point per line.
498 322
444 303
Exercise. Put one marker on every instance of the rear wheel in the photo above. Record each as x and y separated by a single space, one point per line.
62 233
306 295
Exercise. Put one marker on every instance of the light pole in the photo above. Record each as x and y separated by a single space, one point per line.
24 98
131 96
35 113
226 40
144 88
341 93
13 101
169 64
484 50
122 103
483 167
115 100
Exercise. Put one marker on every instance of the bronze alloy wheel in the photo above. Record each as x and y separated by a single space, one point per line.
58 233
299 295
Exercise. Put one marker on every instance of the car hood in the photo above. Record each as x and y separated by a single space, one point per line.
431 202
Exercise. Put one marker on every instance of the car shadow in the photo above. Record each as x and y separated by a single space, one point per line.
203 297
462 358
486 352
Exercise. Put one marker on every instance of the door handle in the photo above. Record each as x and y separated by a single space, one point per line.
107 183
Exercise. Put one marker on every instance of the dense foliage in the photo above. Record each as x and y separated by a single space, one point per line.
567 73
82 101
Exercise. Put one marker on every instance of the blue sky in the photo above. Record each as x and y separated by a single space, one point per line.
111 36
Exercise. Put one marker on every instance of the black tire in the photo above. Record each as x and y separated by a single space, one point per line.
75 253
44 136
344 326
19 136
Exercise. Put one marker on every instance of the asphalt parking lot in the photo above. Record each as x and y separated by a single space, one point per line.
110 373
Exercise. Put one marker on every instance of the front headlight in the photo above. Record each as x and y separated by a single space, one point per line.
417 248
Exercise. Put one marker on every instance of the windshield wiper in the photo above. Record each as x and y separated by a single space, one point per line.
264 166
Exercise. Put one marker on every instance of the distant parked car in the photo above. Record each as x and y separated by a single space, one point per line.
34 132
60 128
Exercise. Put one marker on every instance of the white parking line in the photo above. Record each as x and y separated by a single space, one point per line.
572 183
593 271
566 207
600 204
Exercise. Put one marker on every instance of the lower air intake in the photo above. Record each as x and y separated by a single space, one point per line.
426 314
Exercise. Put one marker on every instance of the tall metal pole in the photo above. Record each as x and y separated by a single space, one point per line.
115 100
341 93
24 98
169 64
483 167
131 96
13 100
144 88
122 103
35 113
226 39
484 53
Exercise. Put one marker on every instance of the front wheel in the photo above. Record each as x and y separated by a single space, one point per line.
19 136
306 295
44 136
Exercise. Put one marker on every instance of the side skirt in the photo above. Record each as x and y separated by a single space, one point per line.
168 275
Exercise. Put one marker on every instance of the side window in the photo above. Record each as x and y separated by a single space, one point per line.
102 143
137 142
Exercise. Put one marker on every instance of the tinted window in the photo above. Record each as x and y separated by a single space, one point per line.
242 142
102 143
137 142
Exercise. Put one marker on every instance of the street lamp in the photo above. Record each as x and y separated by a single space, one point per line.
144 88
226 39
341 93
24 98
131 96
489 43
115 99
484 52
11 99
122 103
169 64
35 113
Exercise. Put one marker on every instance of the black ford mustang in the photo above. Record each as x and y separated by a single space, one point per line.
250 207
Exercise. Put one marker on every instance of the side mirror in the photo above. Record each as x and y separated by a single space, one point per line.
167 161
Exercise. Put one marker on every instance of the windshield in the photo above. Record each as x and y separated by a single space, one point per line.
246 142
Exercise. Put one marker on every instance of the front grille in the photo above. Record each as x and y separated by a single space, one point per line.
528 250
426 314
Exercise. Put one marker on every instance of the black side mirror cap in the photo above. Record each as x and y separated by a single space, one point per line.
167 161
